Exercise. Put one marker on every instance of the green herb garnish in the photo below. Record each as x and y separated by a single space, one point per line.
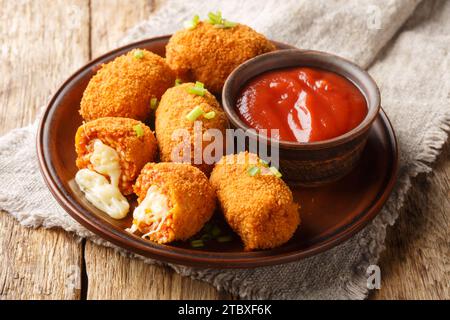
275 172
138 54
154 103
253 171
264 163
218 22
191 24
177 82
206 237
197 243
198 89
210 115
194 114
139 130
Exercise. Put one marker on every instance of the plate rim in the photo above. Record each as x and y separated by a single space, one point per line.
183 256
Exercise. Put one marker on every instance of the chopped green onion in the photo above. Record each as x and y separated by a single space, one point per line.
225 25
275 172
264 163
210 115
253 171
177 82
191 24
229 24
153 103
139 130
215 232
225 239
198 89
218 22
206 237
215 18
138 54
197 243
194 114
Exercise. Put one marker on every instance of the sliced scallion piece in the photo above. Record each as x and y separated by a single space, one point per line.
153 103
215 18
229 24
218 22
194 113
206 237
139 130
209 115
275 172
198 89
197 243
253 171
138 54
177 82
264 163
191 24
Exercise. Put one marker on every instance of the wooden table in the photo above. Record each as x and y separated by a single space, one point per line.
42 43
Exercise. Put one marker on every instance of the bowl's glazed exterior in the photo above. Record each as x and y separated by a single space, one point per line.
313 163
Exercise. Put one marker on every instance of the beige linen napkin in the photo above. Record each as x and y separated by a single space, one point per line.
412 66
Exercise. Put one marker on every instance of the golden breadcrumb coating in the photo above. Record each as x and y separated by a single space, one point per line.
175 104
208 54
190 194
125 86
118 133
259 208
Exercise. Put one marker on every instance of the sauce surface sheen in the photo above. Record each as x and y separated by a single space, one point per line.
304 104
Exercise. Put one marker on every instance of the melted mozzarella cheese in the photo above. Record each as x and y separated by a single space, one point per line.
152 211
106 161
103 194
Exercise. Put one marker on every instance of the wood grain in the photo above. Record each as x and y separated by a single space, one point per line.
416 263
37 53
110 19
111 276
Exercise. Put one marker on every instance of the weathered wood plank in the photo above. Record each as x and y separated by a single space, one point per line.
111 276
36 54
42 42
416 263
110 19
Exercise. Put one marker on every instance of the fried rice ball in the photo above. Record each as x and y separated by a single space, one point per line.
260 208
209 54
175 201
133 141
125 86
175 104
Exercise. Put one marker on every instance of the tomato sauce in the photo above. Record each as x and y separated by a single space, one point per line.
305 104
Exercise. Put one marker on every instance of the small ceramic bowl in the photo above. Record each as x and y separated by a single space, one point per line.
313 163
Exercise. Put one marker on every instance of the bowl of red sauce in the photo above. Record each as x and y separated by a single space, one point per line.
316 106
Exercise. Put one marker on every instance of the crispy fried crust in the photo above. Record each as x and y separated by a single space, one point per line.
209 54
259 208
125 86
118 133
190 194
175 104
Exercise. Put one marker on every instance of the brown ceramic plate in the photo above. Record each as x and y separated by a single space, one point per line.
330 214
